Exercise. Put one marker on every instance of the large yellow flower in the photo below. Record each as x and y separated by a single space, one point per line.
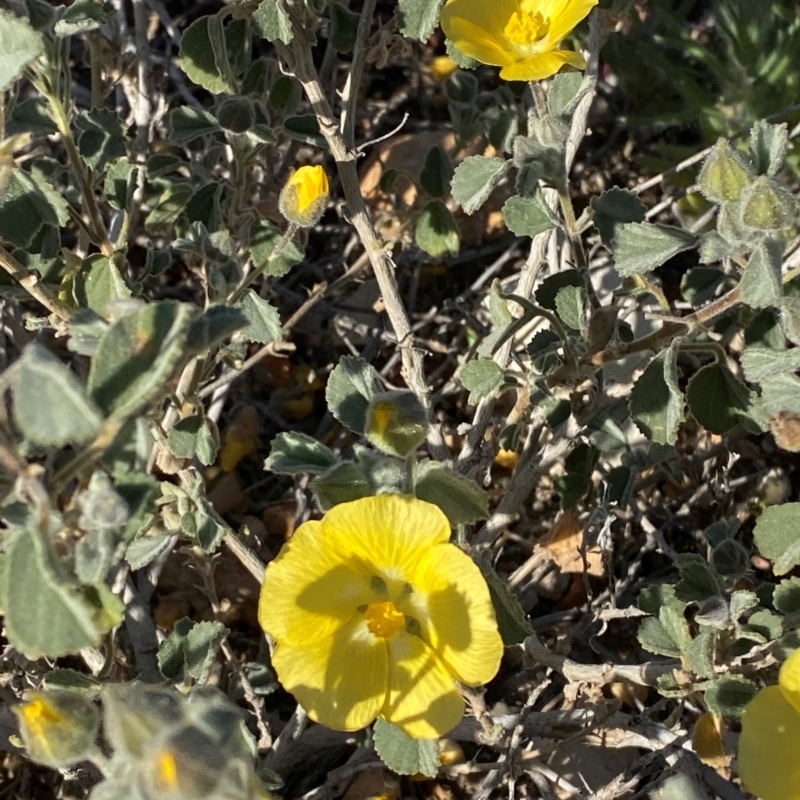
375 614
521 36
769 747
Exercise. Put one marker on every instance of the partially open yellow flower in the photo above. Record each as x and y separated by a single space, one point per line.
304 196
375 613
769 747
521 36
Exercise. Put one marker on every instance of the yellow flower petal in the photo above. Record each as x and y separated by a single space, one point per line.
340 679
541 66
423 700
489 17
385 535
308 592
460 624
564 19
768 747
789 679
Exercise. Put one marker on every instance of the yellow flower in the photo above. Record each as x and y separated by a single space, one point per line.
442 67
521 36
376 614
304 196
769 747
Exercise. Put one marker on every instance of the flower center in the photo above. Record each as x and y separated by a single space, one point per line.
525 28
383 619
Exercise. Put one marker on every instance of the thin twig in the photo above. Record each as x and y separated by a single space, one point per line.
299 58
30 282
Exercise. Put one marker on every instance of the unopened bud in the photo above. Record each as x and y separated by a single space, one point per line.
396 423
58 727
724 174
304 197
766 206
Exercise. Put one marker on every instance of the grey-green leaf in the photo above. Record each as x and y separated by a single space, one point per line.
418 18
263 320
613 209
777 532
264 239
460 498
98 283
198 58
728 695
768 145
642 246
187 124
201 646
272 22
294 453
717 399
151 343
404 755
528 216
45 615
566 91
656 401
351 387
192 437
19 45
482 377
474 180
25 208
437 232
512 623
50 406
760 284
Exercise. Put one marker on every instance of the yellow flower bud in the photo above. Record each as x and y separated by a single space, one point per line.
396 423
58 727
442 67
304 197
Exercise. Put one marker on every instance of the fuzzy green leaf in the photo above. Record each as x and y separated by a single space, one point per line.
482 377
199 58
25 208
768 144
437 172
264 238
777 532
641 246
528 216
50 406
19 45
418 18
613 209
728 696
187 124
352 385
272 22
404 755
460 498
138 356
474 180
263 320
717 399
294 453
437 232
656 402
512 623
45 613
